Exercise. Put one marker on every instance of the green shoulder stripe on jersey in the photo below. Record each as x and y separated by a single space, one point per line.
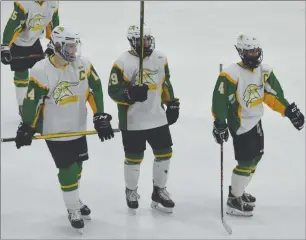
274 95
117 84
15 24
96 93
225 87
36 92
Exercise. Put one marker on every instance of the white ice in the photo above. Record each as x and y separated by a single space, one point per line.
197 37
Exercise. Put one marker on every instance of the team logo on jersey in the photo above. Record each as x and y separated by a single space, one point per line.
148 78
252 96
35 23
63 95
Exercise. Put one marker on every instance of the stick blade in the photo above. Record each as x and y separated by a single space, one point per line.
227 227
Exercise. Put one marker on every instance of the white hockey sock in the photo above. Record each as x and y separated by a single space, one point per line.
131 175
71 199
160 173
239 184
20 94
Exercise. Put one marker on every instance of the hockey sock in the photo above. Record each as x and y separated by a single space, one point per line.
132 169
21 80
240 178
68 178
161 166
255 162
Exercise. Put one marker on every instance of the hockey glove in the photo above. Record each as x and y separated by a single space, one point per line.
103 126
172 112
136 93
220 132
295 116
6 56
49 51
24 135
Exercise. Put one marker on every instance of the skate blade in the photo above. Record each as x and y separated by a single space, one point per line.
236 212
157 206
251 204
80 230
86 217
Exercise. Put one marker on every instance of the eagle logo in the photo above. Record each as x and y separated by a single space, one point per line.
35 23
147 76
251 94
62 91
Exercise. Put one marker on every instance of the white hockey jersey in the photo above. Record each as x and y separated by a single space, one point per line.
150 113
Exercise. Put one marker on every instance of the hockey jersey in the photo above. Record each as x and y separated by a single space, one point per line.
29 20
239 95
56 97
150 113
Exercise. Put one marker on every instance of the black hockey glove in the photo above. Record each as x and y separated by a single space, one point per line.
220 132
6 56
295 116
172 112
136 93
49 52
103 126
24 135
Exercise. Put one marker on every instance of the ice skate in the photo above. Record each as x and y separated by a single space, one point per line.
247 198
76 220
85 211
132 198
161 200
237 207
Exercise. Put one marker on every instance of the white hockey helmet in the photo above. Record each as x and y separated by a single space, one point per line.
66 43
133 35
249 50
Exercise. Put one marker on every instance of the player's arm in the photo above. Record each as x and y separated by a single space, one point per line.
274 95
224 87
95 96
117 85
167 89
15 24
36 92
54 23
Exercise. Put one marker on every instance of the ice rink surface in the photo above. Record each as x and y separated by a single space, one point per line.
196 37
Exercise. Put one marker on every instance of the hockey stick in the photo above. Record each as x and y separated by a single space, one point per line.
29 56
140 80
58 135
225 225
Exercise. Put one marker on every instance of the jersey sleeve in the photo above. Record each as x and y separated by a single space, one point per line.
54 23
225 87
167 89
118 82
95 94
15 24
37 90
274 95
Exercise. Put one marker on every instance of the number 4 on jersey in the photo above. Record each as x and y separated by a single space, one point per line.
31 94
221 88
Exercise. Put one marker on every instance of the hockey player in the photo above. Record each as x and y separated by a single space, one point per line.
27 23
142 117
237 105
58 90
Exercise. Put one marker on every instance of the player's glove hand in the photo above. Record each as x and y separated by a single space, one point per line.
24 135
103 126
49 51
220 132
295 116
136 93
172 112
6 56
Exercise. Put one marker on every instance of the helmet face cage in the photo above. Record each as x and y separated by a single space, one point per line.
69 48
148 42
252 57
